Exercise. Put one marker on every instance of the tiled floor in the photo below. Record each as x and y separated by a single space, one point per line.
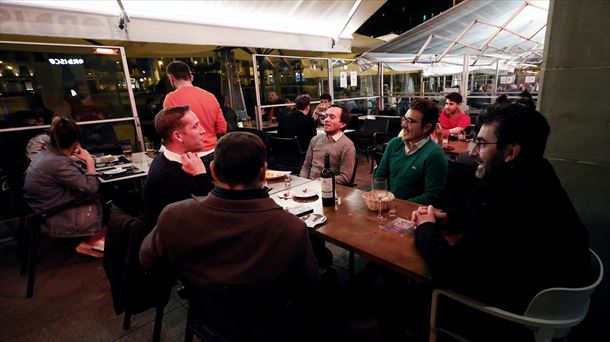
72 301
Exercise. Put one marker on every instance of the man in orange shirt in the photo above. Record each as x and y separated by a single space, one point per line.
202 103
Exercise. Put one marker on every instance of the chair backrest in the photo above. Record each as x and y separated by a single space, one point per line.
286 153
241 314
377 125
569 304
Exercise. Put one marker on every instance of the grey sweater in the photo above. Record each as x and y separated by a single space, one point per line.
342 158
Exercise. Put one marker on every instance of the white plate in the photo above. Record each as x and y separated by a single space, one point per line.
114 171
106 159
271 174
305 192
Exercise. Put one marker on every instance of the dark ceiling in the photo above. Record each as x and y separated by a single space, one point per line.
398 16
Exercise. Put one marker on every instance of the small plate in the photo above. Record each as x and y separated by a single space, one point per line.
286 195
305 193
270 174
115 171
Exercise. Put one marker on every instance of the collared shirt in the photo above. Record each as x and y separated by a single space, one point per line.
416 146
335 137
175 157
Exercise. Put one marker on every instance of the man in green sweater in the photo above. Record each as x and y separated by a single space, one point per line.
415 166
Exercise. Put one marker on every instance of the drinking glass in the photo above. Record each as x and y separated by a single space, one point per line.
391 210
287 181
150 146
127 151
380 191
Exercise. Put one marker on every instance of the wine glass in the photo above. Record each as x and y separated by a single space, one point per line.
380 191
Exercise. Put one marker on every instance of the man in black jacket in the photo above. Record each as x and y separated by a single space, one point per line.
521 232
177 173
299 123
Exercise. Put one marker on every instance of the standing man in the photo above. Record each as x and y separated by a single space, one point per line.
201 102
177 173
334 142
237 236
452 119
416 168
298 123
506 256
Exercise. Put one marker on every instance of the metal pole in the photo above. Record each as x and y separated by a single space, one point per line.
257 115
132 100
331 86
380 73
463 89
495 88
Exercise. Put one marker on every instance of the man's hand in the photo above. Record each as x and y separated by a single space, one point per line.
428 214
192 164
456 130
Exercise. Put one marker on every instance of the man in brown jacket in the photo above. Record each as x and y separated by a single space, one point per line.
236 236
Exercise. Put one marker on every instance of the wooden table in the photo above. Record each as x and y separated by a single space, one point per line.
351 225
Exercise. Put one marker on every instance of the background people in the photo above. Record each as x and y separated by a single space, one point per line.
201 102
54 177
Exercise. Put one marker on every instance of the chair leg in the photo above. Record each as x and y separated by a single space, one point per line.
350 266
127 320
158 324
32 254
23 248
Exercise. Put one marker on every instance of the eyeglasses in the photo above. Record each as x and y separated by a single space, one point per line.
479 143
408 121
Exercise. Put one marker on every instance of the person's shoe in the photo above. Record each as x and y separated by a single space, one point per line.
87 249
99 245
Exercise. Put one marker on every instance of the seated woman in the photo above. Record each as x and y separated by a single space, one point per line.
54 177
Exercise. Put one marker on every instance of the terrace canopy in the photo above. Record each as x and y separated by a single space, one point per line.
511 31
313 25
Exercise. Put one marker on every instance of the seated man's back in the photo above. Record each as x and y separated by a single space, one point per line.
298 123
237 236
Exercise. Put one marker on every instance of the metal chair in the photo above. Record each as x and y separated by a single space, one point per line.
550 314
364 137
219 313
30 234
286 154
379 141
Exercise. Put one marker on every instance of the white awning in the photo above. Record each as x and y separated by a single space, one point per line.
510 30
312 25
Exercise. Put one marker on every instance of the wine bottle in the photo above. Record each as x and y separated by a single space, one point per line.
327 178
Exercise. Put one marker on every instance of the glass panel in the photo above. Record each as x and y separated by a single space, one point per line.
282 78
84 83
399 87
364 84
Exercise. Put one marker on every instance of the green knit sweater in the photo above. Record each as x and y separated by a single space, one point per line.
419 177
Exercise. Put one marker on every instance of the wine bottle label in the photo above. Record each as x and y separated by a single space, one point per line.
327 187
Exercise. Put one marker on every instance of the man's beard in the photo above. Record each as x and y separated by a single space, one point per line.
491 169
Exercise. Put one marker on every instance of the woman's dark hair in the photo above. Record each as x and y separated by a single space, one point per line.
64 133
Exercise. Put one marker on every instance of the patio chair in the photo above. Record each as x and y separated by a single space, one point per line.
364 137
550 314
286 154
228 313
29 235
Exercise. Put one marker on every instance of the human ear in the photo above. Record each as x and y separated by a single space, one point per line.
511 151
